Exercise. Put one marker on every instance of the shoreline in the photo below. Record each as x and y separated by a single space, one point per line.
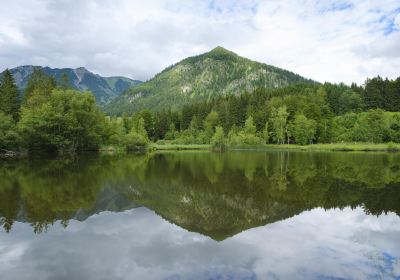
153 147
334 147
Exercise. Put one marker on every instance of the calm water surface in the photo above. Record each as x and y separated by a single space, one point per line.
202 215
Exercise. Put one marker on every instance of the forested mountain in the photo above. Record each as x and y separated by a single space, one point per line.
288 109
201 78
103 88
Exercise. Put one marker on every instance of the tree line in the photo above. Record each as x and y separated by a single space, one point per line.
51 116
301 113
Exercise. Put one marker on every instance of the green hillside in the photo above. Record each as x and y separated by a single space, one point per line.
201 78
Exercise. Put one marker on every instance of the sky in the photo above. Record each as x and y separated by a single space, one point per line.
326 40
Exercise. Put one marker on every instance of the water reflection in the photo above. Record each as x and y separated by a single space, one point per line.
137 244
218 195
239 215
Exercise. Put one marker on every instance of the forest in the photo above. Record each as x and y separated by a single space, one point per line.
49 116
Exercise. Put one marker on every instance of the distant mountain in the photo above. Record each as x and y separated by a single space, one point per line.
104 89
202 77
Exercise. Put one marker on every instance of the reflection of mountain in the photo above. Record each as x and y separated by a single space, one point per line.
217 195
107 200
221 195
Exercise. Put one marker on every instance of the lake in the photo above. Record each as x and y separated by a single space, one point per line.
201 215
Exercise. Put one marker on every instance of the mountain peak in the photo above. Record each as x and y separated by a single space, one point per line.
202 78
82 70
221 52
219 49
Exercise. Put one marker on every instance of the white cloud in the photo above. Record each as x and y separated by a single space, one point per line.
138 244
324 40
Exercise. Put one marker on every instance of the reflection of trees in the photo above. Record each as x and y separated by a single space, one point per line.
211 193
42 192
251 189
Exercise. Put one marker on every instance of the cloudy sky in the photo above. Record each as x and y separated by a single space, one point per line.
138 244
330 40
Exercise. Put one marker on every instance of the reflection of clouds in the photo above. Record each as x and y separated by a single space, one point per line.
137 244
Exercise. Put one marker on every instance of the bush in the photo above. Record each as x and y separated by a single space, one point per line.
66 121
218 140
136 141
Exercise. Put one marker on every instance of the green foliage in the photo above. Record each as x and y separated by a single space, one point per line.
249 127
383 94
303 130
374 126
329 113
65 121
137 138
245 136
8 135
218 140
265 133
64 82
394 128
349 101
172 133
9 95
38 88
279 124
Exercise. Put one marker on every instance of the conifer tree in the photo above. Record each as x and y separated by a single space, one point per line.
9 95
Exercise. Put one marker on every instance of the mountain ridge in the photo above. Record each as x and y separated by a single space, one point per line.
103 88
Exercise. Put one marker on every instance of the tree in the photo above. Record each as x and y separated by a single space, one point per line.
38 88
8 134
265 134
249 127
279 124
218 140
303 129
137 138
211 120
395 128
148 118
172 133
114 131
372 94
373 126
64 83
349 101
9 95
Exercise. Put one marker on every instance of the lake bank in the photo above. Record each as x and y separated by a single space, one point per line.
342 147
334 147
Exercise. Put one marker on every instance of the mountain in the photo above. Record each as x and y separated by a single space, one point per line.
202 77
104 88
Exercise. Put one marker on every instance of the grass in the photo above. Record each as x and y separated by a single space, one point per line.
365 147
179 147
